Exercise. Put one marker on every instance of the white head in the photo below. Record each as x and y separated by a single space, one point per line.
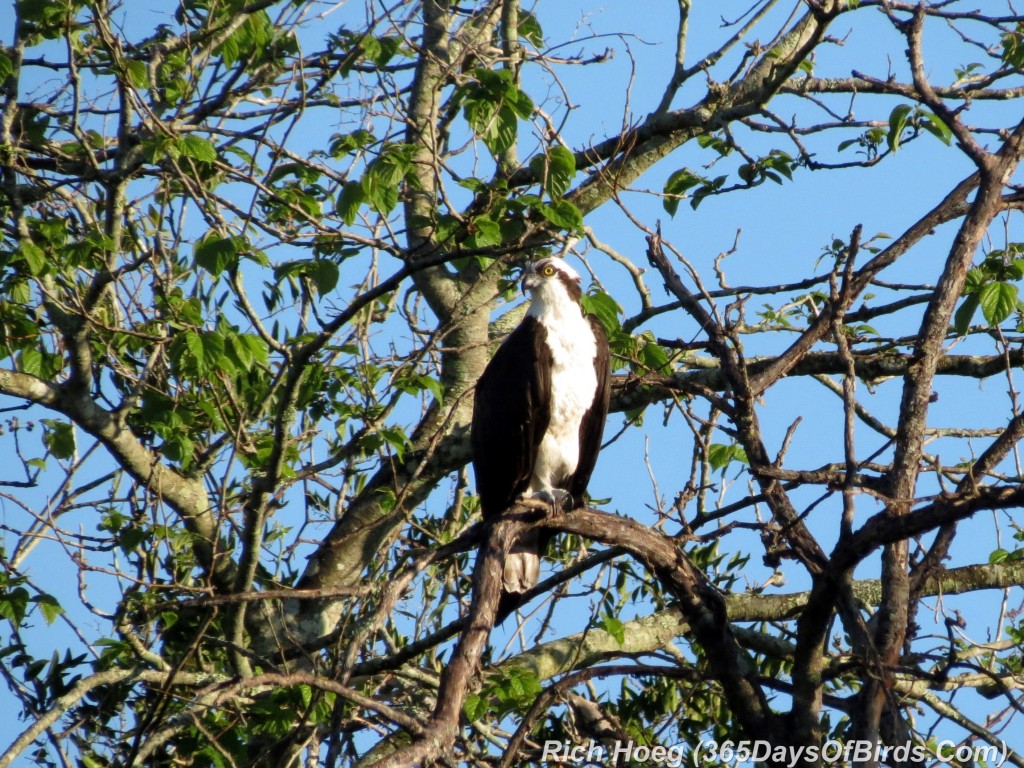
543 277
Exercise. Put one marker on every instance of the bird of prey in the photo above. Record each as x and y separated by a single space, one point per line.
539 412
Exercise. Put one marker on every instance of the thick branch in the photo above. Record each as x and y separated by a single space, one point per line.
701 604
630 392
651 633
440 733
625 157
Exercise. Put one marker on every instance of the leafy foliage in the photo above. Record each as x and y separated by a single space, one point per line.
991 286
250 259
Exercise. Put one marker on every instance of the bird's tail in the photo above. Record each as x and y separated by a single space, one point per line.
522 565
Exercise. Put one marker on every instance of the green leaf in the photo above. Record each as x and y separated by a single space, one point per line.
530 29
721 456
475 185
519 102
370 47
216 254
380 50
998 556
1013 47
707 188
615 628
485 232
13 604
897 122
975 279
964 315
178 447
492 105
652 355
602 306
196 353
382 199
138 73
194 344
213 348
156 149
514 689
197 148
240 353
937 128
246 157
382 177
561 169
247 351
301 171
129 539
250 41
49 607
395 437
501 132
45 17
19 292
998 300
324 274
33 256
474 706
435 387
562 214
6 67
779 161
349 199
59 438
676 187
231 49
345 144
716 143
31 362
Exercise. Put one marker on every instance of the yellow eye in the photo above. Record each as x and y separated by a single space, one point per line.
548 271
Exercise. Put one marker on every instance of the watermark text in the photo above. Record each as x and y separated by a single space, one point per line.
744 752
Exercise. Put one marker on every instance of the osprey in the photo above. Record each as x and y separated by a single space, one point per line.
539 411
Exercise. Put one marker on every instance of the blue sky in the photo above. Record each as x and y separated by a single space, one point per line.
782 231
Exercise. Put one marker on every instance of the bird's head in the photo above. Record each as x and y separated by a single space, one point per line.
553 273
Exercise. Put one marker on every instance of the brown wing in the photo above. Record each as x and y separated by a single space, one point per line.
511 410
592 426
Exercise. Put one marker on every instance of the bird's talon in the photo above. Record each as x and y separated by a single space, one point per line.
556 497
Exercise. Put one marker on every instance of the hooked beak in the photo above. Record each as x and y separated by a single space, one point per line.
529 280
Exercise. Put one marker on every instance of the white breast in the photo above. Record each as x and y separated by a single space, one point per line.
573 384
